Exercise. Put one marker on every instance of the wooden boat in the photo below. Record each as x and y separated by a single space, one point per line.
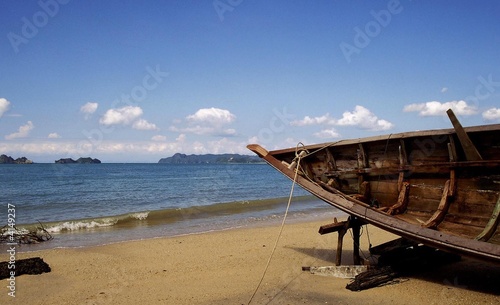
439 188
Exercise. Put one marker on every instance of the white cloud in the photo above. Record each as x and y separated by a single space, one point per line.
142 124
54 135
321 120
124 116
205 130
159 138
435 108
79 148
360 117
363 118
492 114
207 121
444 89
23 131
327 134
4 106
89 108
181 138
213 116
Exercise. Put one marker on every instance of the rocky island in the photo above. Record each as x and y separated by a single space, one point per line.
87 160
4 159
179 158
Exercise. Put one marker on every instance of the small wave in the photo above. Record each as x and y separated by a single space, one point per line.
177 214
140 216
79 225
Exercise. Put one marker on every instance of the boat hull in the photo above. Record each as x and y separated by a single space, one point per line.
421 185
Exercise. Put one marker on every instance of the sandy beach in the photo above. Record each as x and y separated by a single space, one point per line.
225 267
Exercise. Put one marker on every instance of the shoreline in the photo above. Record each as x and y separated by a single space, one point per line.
224 267
134 229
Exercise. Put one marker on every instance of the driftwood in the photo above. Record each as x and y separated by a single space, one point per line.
372 278
345 272
14 235
34 265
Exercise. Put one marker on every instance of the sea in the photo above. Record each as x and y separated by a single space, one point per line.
93 204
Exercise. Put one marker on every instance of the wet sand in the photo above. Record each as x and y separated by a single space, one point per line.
225 267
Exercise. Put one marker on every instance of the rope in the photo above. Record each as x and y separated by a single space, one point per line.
298 156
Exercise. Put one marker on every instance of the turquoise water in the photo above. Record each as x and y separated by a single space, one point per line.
86 204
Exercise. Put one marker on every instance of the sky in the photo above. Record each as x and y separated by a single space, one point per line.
136 81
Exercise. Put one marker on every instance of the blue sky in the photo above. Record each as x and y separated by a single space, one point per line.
135 81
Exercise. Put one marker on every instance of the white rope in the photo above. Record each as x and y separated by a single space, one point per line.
281 230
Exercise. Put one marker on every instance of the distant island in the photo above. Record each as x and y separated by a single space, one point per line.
179 158
4 159
79 160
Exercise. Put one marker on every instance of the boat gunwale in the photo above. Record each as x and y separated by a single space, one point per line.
385 137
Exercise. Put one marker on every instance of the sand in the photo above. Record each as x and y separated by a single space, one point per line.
225 267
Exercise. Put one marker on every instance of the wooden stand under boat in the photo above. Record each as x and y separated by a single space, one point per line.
440 188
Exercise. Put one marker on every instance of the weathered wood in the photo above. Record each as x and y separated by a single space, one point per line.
442 209
34 265
344 272
427 168
391 246
362 158
340 239
356 229
403 156
333 227
342 228
364 192
402 204
432 158
330 161
453 183
492 225
372 278
452 150
470 150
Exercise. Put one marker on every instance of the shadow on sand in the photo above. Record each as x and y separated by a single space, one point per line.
467 273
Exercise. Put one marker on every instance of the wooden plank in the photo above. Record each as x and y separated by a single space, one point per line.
403 157
344 272
442 209
333 227
471 153
403 135
402 204
362 159
452 150
429 168
356 232
492 225
331 165
391 246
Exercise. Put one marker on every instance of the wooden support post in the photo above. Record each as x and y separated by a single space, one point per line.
341 228
356 229
471 153
340 240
